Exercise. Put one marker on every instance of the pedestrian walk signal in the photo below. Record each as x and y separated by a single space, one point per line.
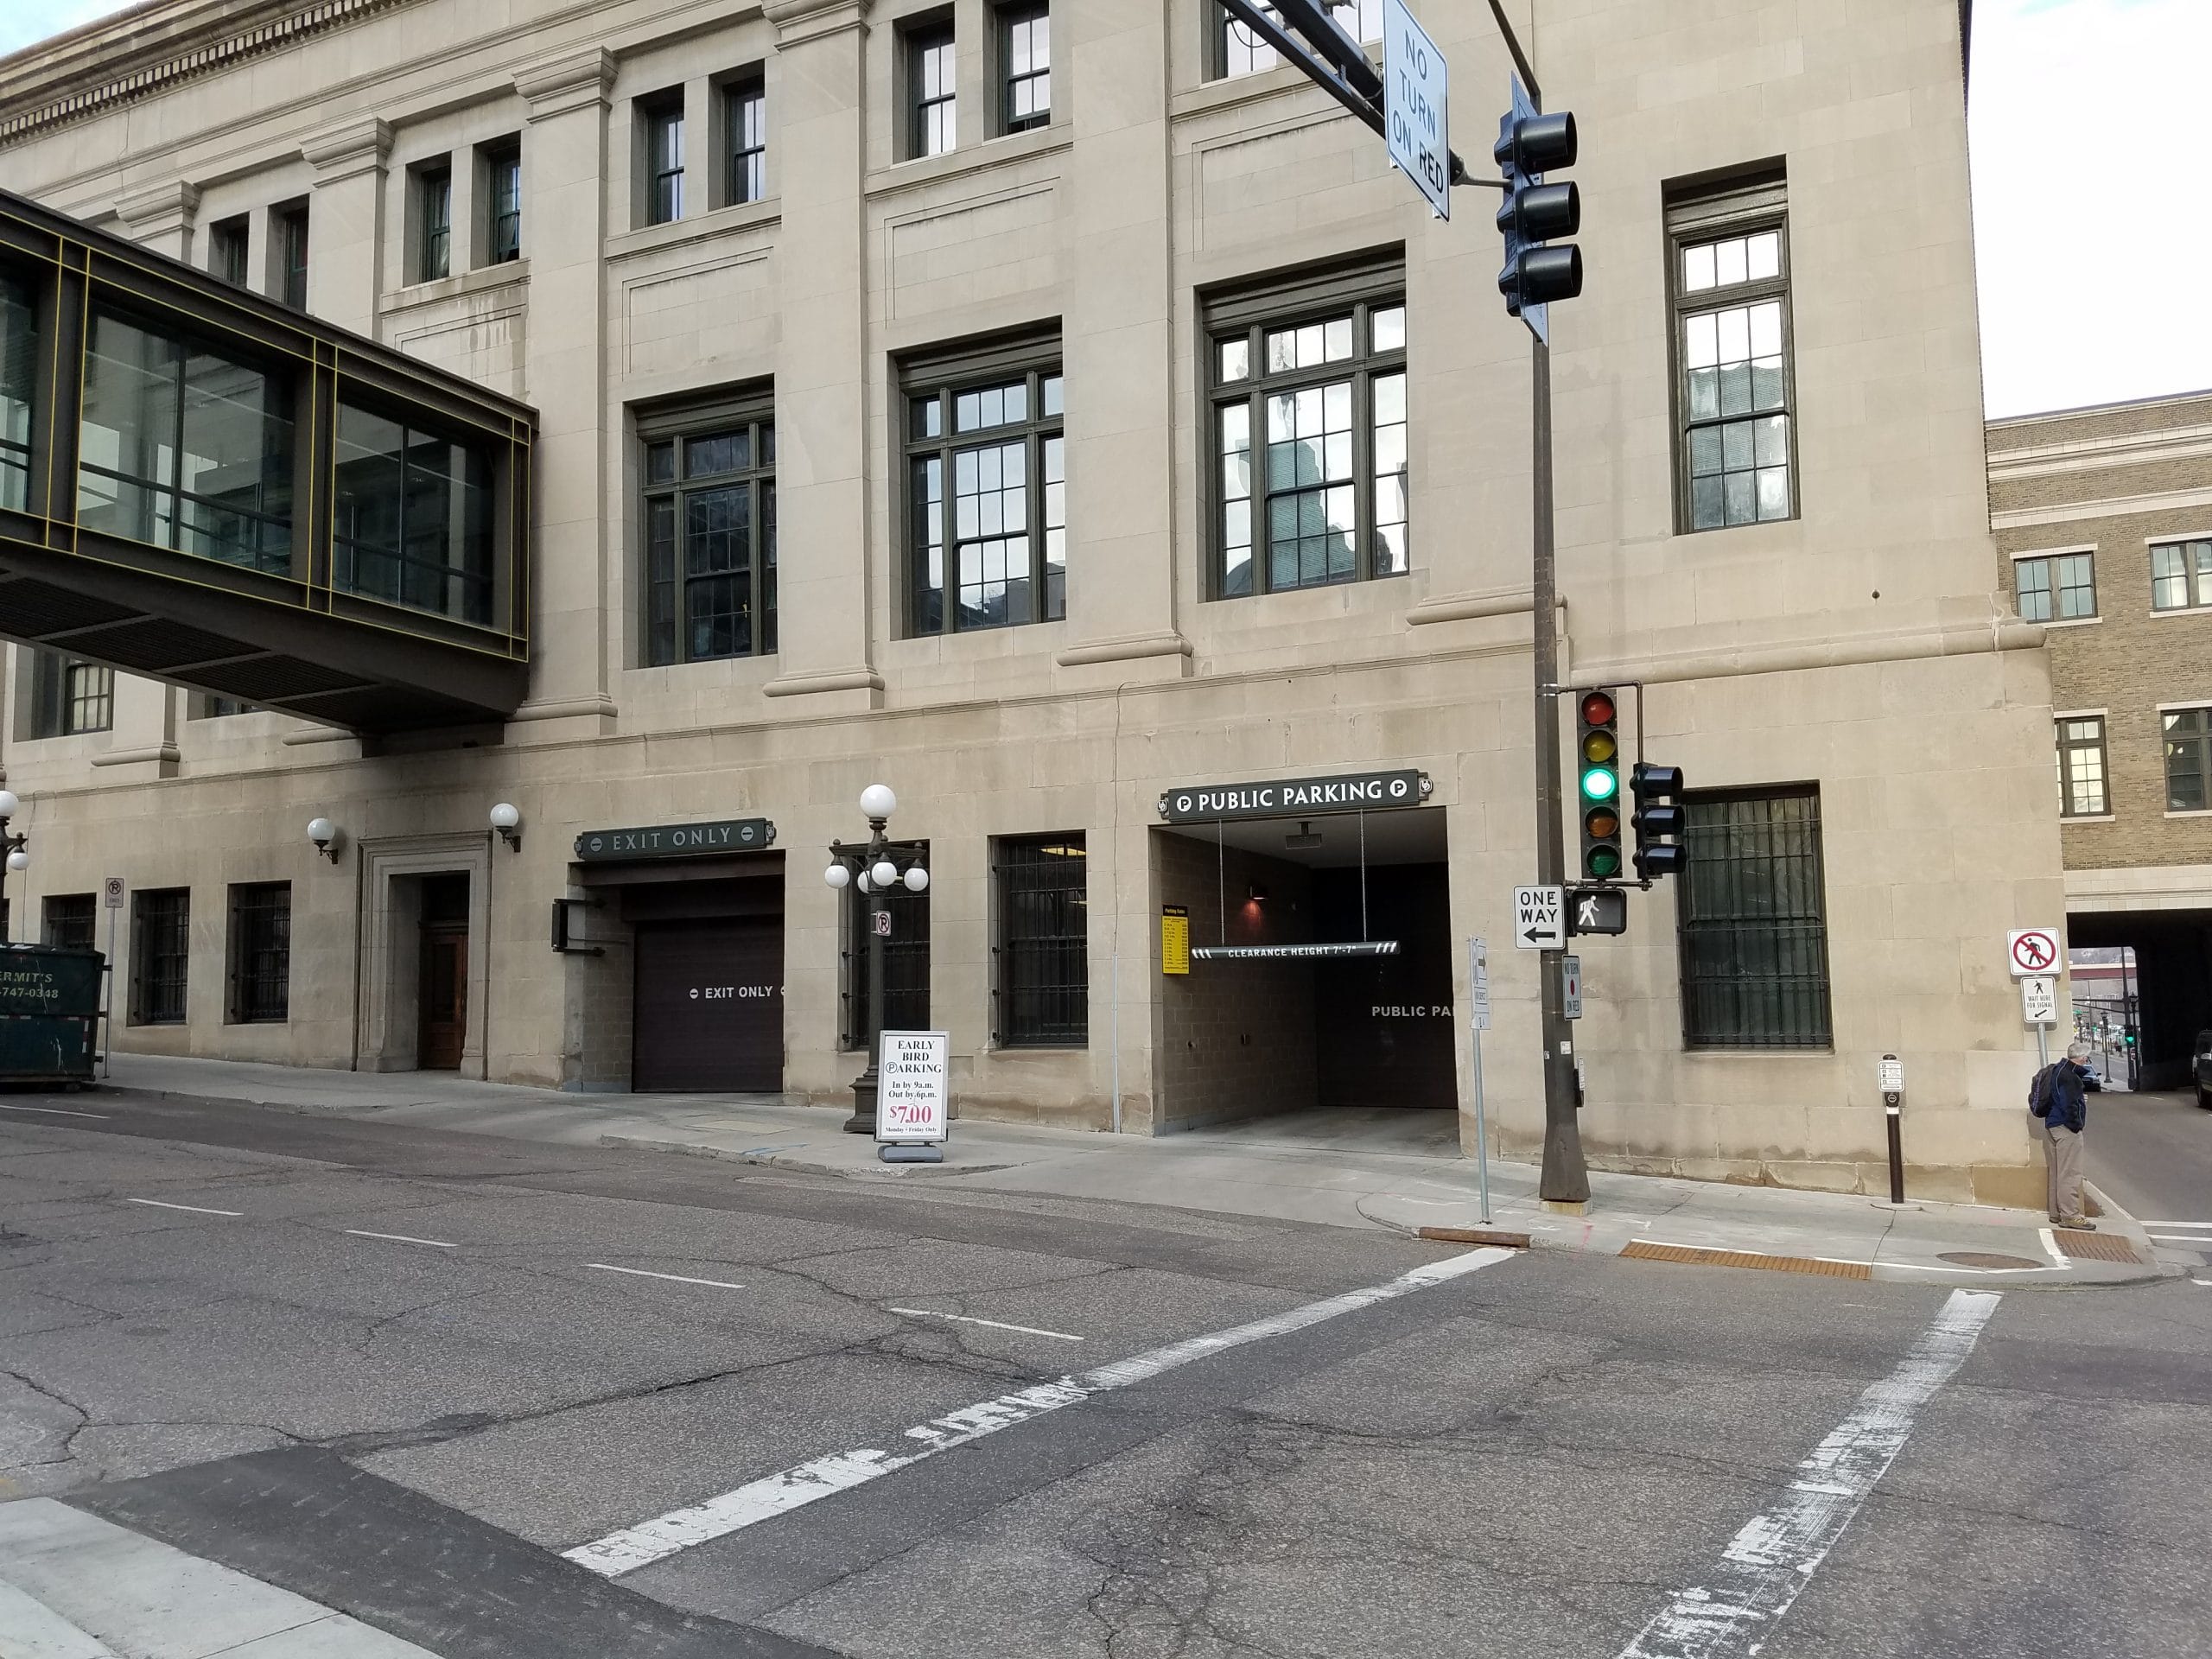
1598 771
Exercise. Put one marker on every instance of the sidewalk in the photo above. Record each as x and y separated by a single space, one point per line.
1396 1170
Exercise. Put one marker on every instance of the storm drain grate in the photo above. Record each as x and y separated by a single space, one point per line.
1643 1252
2095 1247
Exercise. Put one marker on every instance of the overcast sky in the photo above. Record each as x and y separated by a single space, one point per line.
2094 257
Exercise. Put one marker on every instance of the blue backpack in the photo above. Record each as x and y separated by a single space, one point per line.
2039 1091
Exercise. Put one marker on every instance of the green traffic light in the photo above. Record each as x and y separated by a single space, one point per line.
1600 783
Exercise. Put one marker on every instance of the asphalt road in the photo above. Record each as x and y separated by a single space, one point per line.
400 1372
2153 1154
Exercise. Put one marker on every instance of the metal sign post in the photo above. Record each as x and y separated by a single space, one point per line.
111 888
1478 997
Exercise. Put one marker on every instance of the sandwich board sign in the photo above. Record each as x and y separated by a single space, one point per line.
911 1101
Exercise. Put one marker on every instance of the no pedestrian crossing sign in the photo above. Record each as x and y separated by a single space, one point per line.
2032 951
1414 124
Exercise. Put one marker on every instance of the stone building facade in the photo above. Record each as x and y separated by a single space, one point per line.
1041 410
2103 516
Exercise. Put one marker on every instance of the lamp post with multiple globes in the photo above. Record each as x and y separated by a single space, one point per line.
873 868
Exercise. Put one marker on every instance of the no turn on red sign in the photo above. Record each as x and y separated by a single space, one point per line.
2032 952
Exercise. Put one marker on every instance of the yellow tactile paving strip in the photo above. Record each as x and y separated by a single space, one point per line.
1643 1252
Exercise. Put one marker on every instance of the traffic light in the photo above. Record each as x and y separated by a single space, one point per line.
1658 822
1598 784
1533 213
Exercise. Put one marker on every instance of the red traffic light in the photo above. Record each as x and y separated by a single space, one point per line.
1598 708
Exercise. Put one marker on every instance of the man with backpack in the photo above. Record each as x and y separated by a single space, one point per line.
2059 1096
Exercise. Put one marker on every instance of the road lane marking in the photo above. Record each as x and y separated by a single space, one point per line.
631 1548
1776 1554
195 1209
995 1324
2051 1246
55 1111
2200 1239
672 1278
2175 1224
402 1238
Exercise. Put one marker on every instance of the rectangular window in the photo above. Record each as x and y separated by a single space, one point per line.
292 256
2188 759
72 921
930 85
503 204
414 516
184 446
2055 587
434 222
227 249
2082 767
18 384
1044 952
1025 61
1239 51
746 114
161 950
2181 575
260 952
1310 435
905 965
1751 917
208 705
1729 280
70 696
662 121
711 533
986 478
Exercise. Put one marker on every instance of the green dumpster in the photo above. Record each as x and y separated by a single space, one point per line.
49 1013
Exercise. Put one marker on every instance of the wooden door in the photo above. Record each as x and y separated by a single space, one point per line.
444 998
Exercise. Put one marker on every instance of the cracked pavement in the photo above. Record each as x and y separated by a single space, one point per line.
1528 1461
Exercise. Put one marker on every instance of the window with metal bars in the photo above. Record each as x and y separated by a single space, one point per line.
72 920
905 965
70 696
261 952
1751 919
710 530
986 497
1044 952
1307 380
161 951
744 114
1734 385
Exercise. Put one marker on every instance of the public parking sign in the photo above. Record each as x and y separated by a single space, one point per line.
2032 952
1413 88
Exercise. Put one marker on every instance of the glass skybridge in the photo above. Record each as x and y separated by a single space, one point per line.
203 485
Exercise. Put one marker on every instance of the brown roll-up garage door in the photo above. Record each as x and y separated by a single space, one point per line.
709 1005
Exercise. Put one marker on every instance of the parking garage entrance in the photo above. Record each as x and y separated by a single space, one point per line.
1319 974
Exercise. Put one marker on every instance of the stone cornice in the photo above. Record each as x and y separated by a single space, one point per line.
799 20
92 70
353 147
160 207
575 81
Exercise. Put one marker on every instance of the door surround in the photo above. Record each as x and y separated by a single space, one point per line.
392 943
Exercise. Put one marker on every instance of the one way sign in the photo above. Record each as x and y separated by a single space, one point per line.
1539 919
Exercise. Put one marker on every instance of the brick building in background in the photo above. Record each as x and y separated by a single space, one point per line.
2104 519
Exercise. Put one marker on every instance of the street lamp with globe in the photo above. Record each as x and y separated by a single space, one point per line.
873 868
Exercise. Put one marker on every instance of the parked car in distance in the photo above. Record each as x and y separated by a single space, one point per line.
2203 1070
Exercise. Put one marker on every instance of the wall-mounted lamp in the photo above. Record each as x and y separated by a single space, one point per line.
506 818
325 835
1257 893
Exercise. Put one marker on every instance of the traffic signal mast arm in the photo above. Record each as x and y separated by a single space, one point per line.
1332 59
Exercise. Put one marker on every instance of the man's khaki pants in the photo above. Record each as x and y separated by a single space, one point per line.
2063 1155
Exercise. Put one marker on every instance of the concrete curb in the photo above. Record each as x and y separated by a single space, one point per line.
769 1158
